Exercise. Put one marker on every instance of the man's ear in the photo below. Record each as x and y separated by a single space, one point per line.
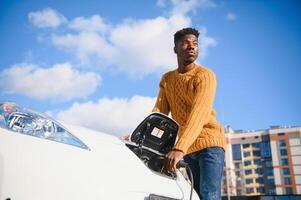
175 50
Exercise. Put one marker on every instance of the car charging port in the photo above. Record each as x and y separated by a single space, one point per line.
153 161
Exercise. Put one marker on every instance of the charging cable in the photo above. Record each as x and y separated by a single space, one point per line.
159 164
182 164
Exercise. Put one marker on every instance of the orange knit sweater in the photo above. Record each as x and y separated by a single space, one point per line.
189 97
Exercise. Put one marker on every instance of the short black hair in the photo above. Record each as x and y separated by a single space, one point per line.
185 31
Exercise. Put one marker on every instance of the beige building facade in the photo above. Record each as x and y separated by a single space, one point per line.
263 162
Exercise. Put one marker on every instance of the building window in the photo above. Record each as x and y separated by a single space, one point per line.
248 171
237 165
284 161
250 190
256 153
271 191
224 191
259 180
237 173
249 180
247 163
260 190
287 180
258 171
247 154
268 163
236 151
270 182
269 171
283 152
288 190
265 149
258 162
257 144
282 143
285 171
245 146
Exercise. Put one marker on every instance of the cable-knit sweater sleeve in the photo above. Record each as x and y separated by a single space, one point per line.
162 105
202 106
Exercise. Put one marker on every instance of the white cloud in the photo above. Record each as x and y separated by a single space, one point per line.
138 47
94 23
135 46
205 42
231 16
60 82
46 18
146 46
161 3
86 45
118 116
182 7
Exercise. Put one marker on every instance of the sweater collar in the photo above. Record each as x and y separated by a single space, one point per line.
190 72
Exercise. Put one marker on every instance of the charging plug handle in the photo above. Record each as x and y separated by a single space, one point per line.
181 164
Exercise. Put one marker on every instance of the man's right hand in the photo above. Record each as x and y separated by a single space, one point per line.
172 158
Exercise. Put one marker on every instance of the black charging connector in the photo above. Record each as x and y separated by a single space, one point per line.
181 164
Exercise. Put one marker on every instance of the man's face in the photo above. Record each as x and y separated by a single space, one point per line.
187 49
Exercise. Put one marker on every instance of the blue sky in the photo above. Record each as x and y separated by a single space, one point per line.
98 63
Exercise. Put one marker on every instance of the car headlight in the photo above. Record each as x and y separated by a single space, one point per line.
158 197
29 122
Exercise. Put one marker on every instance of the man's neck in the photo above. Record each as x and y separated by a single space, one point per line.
185 68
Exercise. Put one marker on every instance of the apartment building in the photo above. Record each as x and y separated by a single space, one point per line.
263 162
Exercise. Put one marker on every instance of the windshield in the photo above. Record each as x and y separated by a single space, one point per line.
29 122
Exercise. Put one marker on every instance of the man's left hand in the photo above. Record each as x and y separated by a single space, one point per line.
172 158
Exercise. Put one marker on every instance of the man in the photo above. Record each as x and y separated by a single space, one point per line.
188 93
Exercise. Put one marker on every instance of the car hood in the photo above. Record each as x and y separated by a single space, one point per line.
92 137
111 160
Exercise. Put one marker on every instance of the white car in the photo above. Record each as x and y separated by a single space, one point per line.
41 159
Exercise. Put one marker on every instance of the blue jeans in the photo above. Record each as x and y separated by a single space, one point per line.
207 168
